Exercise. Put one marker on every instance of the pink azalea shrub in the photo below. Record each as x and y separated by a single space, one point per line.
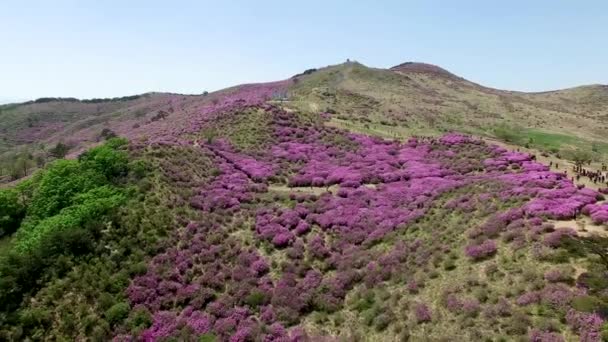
545 336
363 191
481 251
422 313
588 325
598 212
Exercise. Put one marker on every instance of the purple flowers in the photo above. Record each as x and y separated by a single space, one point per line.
481 251
554 239
529 298
588 325
545 336
422 313
598 212
557 275
282 239
316 214
165 324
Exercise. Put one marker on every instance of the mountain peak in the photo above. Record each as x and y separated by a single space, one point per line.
424 68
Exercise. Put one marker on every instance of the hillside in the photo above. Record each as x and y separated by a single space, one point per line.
409 99
419 97
332 205
31 131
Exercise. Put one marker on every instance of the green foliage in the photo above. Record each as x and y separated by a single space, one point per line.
107 159
604 332
117 313
78 273
21 167
34 317
507 134
365 302
57 216
586 303
139 319
86 207
579 156
139 168
56 187
207 338
12 211
247 131
60 150
107 134
592 245
570 147
255 299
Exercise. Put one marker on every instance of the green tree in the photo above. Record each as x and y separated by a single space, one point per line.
590 245
86 207
21 167
12 211
60 150
117 313
107 159
107 134
40 160
58 184
580 157
508 134
58 216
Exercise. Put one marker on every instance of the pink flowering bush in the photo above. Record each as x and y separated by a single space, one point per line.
588 325
481 251
297 224
555 238
282 228
545 336
529 298
422 313
558 275
598 212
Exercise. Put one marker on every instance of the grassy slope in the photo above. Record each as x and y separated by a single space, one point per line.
391 103
395 104
359 318
401 103
416 101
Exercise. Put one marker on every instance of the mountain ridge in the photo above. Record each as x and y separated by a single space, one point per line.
347 202
405 67
409 98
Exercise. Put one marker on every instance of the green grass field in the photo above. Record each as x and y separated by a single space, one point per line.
549 142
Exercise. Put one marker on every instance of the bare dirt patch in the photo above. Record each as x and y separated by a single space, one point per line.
583 226
316 190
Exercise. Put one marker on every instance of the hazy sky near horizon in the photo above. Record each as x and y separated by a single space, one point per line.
114 48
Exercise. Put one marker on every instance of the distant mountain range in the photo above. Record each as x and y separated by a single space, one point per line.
7 100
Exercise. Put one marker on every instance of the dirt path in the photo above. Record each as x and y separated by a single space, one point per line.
582 225
317 190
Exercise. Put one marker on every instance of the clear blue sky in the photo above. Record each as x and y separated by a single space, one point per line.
115 48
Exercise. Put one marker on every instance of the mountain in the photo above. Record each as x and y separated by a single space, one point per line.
424 68
344 203
410 98
8 100
421 97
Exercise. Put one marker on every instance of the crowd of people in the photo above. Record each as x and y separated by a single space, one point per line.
595 176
